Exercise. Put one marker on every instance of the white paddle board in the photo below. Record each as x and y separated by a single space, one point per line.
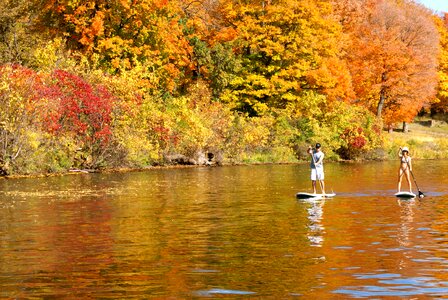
303 195
405 195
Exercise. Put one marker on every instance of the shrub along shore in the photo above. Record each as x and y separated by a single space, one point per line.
424 142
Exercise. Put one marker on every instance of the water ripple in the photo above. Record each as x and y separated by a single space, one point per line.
394 285
216 291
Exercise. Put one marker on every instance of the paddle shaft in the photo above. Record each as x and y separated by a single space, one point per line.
415 181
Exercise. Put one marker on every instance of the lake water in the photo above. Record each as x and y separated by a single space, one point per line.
225 232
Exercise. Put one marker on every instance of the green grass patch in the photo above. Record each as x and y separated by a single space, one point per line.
424 142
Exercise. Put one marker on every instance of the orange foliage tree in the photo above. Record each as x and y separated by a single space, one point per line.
441 103
123 35
393 59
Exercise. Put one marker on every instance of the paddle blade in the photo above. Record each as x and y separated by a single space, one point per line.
420 194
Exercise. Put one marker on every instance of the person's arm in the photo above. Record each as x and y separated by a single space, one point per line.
310 151
400 153
410 163
319 162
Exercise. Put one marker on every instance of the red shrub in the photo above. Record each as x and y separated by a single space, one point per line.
81 108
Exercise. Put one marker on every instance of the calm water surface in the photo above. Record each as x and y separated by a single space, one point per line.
228 232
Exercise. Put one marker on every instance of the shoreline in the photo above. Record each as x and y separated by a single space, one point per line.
424 143
168 167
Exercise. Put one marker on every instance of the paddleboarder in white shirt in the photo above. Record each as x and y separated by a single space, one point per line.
317 167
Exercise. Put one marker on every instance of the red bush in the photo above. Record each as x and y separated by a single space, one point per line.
79 107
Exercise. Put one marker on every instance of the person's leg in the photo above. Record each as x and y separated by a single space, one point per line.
313 180
408 178
322 186
400 175
320 177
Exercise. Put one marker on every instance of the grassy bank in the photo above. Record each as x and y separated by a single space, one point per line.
425 142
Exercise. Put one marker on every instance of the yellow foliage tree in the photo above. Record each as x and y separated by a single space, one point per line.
122 36
286 47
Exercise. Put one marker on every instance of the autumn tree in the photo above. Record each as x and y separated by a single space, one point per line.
17 42
393 59
441 103
286 48
18 114
118 35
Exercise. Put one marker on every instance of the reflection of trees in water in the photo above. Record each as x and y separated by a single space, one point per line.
316 228
72 248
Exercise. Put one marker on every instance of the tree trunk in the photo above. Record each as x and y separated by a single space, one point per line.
380 105
405 127
382 96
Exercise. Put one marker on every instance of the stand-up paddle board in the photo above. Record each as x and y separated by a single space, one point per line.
314 196
406 195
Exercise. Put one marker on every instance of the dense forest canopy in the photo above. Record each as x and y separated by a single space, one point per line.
93 84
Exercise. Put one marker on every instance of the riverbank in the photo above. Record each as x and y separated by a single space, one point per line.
426 139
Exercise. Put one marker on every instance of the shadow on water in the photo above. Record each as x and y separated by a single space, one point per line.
228 232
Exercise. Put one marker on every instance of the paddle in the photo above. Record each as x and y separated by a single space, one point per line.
317 173
420 193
